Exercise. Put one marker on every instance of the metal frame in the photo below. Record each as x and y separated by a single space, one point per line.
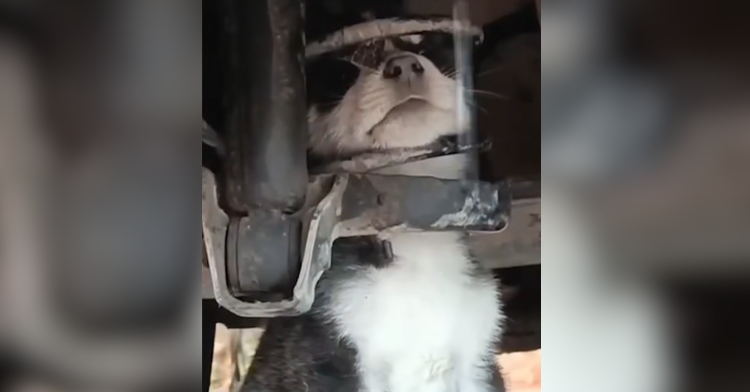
354 205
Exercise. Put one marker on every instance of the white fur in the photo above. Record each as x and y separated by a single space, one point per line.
428 322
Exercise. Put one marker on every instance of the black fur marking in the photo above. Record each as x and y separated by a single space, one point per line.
436 47
523 21
302 353
329 77
368 250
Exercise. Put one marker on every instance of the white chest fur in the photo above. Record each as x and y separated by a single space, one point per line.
425 323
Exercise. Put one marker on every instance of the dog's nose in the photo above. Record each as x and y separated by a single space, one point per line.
404 67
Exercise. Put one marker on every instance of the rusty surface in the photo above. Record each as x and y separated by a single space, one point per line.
316 244
263 252
519 245
250 261
374 203
264 114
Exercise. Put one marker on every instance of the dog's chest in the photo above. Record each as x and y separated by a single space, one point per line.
427 319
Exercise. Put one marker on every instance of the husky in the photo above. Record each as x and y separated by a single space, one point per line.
421 316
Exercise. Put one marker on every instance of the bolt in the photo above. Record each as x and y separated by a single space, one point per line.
381 199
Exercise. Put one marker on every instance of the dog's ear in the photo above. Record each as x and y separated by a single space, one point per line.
524 20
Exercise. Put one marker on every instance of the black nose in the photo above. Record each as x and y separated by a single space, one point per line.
402 66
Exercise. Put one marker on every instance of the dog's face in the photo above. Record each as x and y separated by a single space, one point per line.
397 92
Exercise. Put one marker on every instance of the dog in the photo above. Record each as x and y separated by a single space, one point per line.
423 316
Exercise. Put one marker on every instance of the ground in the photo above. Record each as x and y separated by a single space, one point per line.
234 350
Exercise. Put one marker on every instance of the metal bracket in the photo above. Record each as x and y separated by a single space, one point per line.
372 160
377 203
316 258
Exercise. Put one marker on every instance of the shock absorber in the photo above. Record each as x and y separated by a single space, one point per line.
264 117
260 50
